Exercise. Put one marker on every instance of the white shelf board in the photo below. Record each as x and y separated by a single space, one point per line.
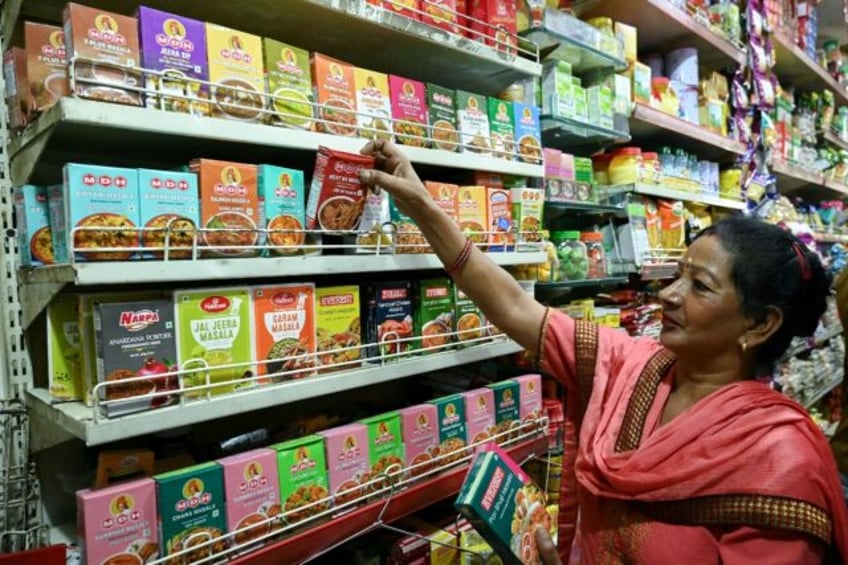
662 192
140 272
73 126
386 42
78 420
652 123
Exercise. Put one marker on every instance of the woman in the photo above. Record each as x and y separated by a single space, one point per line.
681 457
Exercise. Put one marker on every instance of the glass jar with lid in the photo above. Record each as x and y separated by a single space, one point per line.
571 252
595 255
625 164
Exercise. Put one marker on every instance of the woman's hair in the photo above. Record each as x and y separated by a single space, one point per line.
771 268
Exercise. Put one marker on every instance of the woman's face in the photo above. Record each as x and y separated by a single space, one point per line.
702 313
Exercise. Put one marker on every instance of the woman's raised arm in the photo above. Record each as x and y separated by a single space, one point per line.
495 292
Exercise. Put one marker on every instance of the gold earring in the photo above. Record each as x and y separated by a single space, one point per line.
744 345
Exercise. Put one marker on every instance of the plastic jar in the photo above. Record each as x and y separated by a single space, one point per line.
596 257
600 167
651 169
625 164
666 163
573 261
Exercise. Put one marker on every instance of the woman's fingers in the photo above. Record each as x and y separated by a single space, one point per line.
374 177
547 549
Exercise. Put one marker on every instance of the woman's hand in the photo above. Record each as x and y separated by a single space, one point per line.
547 550
395 173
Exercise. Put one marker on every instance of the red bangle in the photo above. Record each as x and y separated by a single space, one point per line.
461 259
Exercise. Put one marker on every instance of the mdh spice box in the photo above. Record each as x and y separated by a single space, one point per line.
252 494
192 511
237 72
450 411
473 119
118 524
283 196
373 104
434 311
335 95
528 133
504 506
471 204
441 105
530 398
409 111
528 205
284 333
214 328
35 238
336 195
108 49
135 339
175 46
302 467
229 207
389 320
480 415
338 328
445 197
502 126
289 78
420 427
46 64
169 213
95 197
469 318
347 461
385 450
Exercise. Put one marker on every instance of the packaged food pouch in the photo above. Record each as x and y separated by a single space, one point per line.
374 231
672 231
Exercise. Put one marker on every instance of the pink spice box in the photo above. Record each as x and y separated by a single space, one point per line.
420 426
479 415
118 522
347 460
530 397
252 493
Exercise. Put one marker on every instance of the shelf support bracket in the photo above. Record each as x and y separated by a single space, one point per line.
35 297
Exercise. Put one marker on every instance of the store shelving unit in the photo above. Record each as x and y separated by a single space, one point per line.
143 136
813 398
41 284
308 543
660 191
81 421
817 341
585 283
356 31
831 137
670 27
795 67
564 133
651 123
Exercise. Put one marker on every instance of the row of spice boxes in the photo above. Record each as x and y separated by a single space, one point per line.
306 91
245 210
248 494
136 341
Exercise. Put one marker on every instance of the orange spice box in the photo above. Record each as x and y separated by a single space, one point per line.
284 333
229 198
445 196
335 95
471 212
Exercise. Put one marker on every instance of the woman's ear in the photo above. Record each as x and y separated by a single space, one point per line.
761 331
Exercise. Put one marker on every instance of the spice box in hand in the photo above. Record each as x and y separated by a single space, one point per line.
302 466
117 524
504 506
336 195
192 511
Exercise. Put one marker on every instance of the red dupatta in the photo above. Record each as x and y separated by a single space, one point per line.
745 455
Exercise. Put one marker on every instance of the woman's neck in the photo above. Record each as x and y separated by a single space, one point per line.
697 382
